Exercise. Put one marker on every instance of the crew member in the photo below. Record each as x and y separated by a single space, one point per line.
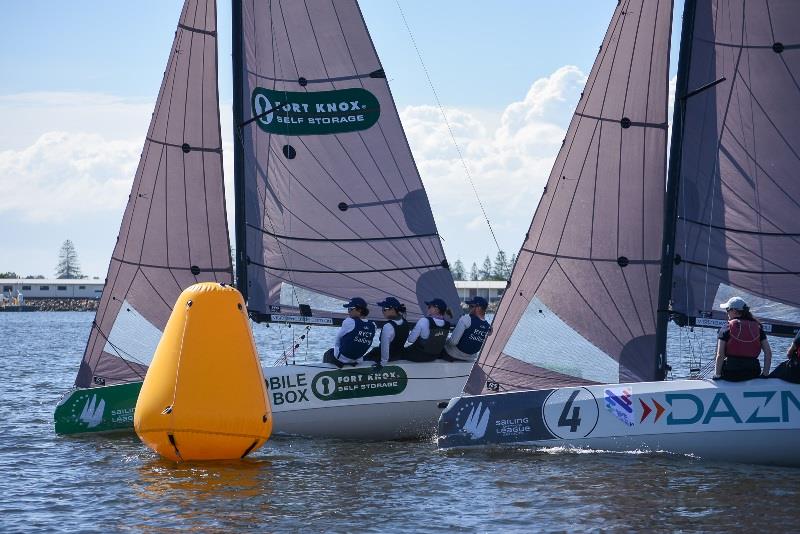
470 332
790 369
429 334
354 337
739 344
393 334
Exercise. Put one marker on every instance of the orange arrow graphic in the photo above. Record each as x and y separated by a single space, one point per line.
659 409
646 410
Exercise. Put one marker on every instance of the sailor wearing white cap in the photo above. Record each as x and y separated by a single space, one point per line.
739 344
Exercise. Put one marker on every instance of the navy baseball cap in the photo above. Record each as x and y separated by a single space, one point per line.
439 303
356 302
477 301
390 302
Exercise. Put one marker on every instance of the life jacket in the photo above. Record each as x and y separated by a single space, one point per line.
357 342
434 344
473 337
745 339
400 336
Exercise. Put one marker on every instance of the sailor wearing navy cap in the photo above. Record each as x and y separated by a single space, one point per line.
470 332
354 337
393 334
429 334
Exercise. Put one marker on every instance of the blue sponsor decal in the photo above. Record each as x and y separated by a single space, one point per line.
619 403
689 409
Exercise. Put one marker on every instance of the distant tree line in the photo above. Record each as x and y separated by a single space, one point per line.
499 270
12 274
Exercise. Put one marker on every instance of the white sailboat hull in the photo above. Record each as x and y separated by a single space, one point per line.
757 421
402 401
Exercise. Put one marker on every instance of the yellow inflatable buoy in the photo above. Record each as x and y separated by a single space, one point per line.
204 396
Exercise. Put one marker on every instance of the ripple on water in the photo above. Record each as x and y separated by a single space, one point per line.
114 483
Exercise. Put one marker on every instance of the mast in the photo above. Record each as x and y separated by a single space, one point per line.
238 149
673 186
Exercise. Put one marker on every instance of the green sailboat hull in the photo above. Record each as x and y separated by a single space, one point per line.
102 409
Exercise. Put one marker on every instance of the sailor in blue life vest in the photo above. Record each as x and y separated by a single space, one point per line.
470 332
739 344
790 369
393 334
429 335
354 337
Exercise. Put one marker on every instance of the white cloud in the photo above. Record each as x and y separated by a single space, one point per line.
64 174
67 154
509 163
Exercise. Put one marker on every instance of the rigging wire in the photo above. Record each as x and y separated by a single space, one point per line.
447 123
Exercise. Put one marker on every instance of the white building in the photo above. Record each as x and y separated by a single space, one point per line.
52 288
490 290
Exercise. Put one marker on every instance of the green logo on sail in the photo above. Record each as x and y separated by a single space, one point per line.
320 113
357 383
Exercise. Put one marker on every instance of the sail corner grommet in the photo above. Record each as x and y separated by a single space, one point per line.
186 147
778 47
343 206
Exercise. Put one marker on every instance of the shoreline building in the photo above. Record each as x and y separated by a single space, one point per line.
52 288
491 290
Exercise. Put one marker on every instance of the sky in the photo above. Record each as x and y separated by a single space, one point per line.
79 84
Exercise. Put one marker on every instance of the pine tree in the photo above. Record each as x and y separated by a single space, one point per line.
458 270
473 272
486 269
68 266
500 271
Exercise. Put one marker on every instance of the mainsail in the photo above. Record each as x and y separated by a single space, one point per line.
174 232
589 267
334 206
739 193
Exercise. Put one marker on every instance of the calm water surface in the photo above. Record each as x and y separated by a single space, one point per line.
106 484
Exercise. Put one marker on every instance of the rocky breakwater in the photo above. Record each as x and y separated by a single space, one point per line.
62 304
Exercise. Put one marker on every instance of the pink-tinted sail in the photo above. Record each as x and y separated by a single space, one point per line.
580 306
174 232
739 192
335 206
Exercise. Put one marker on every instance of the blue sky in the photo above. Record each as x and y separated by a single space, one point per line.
79 84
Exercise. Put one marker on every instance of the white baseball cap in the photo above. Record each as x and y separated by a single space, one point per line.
734 303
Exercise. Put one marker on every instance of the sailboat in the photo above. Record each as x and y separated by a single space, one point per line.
329 205
578 355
